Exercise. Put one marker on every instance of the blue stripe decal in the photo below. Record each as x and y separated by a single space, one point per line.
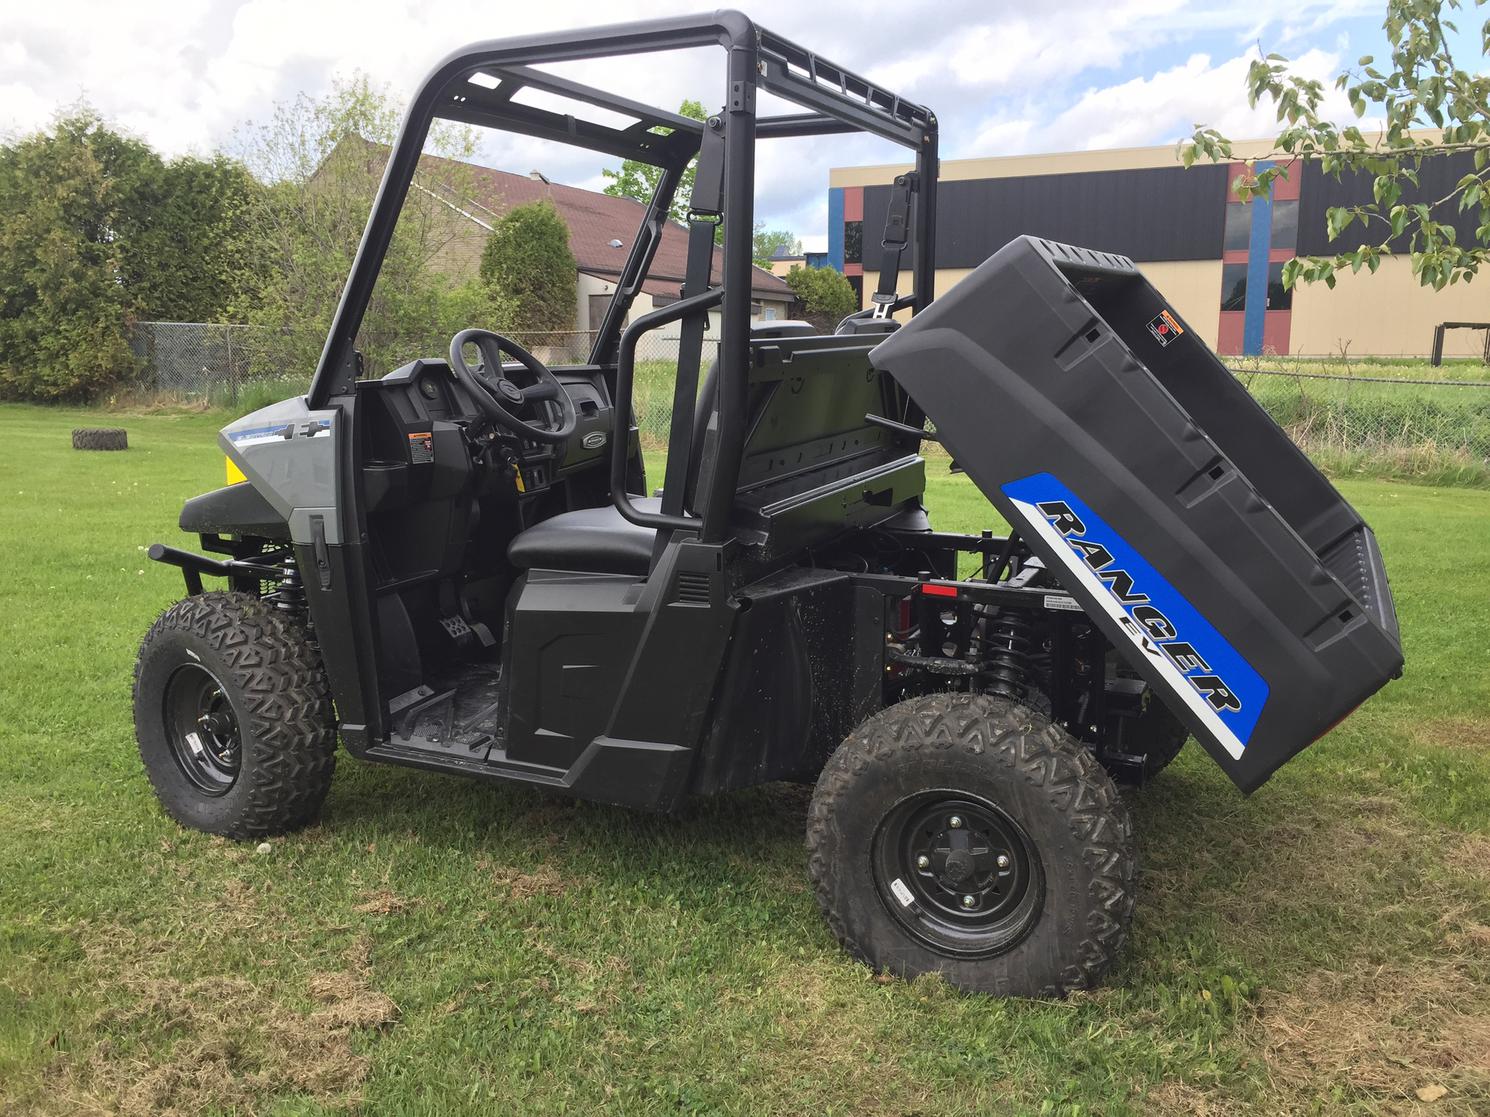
1258 243
259 432
835 228
1223 688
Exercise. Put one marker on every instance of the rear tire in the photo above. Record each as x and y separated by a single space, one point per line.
1158 736
1028 879
233 717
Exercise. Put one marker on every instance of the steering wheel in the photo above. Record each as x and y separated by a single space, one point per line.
499 398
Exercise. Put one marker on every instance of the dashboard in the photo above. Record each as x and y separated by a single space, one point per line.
421 416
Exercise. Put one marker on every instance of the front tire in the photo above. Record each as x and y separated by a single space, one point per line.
968 836
233 717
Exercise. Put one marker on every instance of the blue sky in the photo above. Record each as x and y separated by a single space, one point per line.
1003 78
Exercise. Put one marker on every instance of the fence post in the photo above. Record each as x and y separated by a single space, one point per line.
232 371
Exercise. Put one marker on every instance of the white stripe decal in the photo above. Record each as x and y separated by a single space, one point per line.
1178 684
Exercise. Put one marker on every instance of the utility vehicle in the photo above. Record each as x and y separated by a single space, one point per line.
455 566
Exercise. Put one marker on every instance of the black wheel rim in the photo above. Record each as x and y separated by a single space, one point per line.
202 729
958 872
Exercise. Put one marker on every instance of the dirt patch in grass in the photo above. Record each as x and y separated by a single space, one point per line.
826 1034
1456 733
1344 855
1475 937
1381 1035
383 902
1378 979
1180 1097
543 880
1471 856
221 1044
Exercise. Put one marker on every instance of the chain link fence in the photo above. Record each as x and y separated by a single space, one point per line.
235 365
1402 426
211 362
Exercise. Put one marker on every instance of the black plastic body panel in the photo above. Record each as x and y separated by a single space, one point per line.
1204 543
236 509
804 668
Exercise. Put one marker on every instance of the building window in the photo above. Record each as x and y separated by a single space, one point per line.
1279 297
1234 287
599 304
1285 225
1238 227
853 242
770 314
755 310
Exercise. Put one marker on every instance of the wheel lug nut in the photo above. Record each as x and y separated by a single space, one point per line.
923 862
969 901
955 822
1003 861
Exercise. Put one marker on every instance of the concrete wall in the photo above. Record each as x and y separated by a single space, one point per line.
1387 314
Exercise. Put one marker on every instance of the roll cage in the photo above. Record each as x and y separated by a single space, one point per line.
477 85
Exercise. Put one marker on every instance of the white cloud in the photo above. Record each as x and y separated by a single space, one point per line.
185 74
1165 107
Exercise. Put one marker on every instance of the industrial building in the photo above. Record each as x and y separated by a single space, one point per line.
1219 261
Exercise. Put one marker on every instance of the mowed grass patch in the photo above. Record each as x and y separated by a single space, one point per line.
439 946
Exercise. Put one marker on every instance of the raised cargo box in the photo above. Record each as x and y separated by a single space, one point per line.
1210 550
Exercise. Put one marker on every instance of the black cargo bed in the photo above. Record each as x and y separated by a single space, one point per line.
1211 551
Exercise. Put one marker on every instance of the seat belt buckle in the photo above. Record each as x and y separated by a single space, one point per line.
883 303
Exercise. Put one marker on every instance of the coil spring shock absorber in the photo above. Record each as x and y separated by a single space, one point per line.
290 596
1009 637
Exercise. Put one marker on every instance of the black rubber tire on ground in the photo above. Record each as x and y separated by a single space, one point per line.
994 752
268 676
100 438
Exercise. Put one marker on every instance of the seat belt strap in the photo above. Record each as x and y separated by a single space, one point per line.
897 230
705 208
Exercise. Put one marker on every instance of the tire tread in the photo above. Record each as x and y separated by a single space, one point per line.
277 672
1071 778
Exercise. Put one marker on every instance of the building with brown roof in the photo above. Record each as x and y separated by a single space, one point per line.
601 232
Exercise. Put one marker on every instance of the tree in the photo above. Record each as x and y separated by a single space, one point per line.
97 230
825 295
639 180
323 159
63 313
186 242
1420 87
767 241
529 272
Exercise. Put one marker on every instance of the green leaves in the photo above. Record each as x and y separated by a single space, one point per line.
639 180
825 295
529 271
766 242
1421 87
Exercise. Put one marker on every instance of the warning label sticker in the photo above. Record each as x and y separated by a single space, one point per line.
421 447
1165 327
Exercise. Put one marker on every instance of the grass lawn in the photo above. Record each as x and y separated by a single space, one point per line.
437 946
1393 368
